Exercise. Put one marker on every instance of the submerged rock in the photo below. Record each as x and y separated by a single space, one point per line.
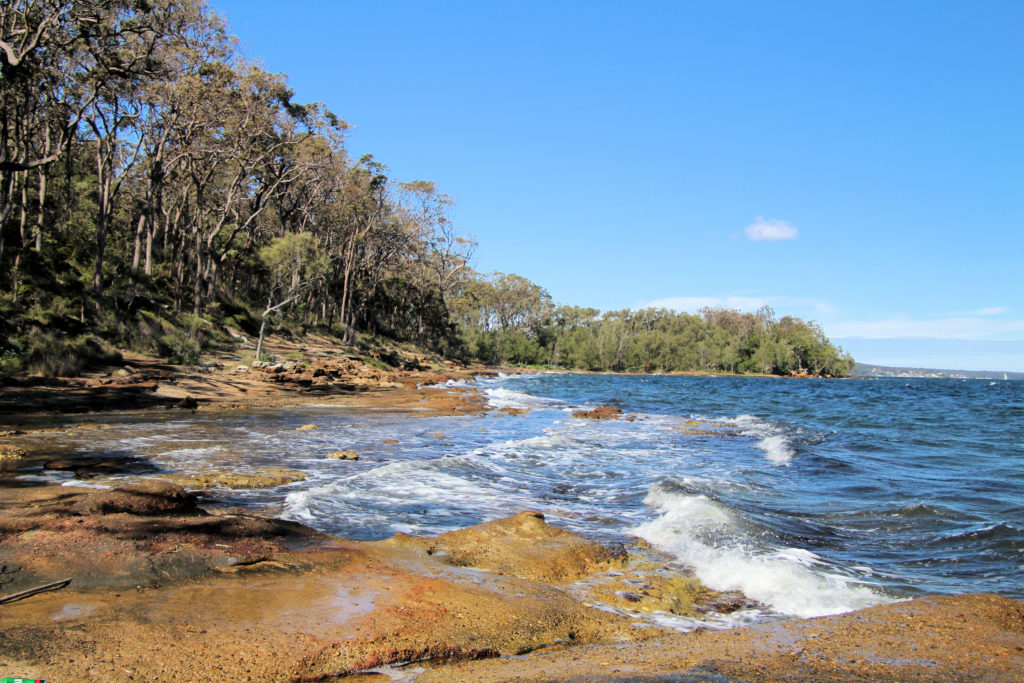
265 478
306 428
342 455
513 412
699 428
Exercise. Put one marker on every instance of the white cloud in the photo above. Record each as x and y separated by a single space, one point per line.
960 327
770 230
995 310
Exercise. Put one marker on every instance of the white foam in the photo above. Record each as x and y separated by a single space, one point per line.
777 449
507 398
396 484
709 537
448 384
747 421
712 620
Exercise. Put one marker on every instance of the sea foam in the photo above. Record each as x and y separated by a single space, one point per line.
712 539
508 398
777 447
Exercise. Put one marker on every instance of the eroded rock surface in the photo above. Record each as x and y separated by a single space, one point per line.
164 590
147 534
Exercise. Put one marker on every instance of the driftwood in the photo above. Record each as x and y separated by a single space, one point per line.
56 585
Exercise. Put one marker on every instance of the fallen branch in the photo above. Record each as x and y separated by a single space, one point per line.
56 585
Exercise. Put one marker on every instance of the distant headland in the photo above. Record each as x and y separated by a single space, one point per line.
866 370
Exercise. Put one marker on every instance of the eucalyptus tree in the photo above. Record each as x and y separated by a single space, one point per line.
167 116
124 50
360 207
449 253
305 202
240 131
39 107
293 263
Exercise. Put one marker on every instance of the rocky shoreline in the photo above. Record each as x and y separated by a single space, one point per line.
164 587
164 590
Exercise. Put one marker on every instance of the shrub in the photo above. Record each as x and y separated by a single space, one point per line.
10 363
51 356
180 348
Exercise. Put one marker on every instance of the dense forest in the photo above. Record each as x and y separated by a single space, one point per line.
158 189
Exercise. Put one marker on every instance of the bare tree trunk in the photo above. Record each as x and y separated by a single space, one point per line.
148 269
263 327
343 313
43 175
137 251
197 293
211 278
101 246
23 217
21 232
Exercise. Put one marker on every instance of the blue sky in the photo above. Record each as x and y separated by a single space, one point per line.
860 164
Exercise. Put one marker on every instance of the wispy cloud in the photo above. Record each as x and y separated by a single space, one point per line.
979 326
995 310
770 230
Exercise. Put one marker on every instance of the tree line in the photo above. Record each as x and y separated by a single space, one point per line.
156 186
508 319
152 178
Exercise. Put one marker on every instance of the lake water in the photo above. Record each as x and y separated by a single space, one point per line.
811 497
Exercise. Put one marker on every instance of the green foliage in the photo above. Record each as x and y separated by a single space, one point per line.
293 258
183 344
507 320
52 355
180 348
10 363
187 193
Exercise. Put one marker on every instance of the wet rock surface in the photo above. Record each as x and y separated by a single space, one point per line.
523 546
261 478
163 590
342 455
599 413
230 598
145 534
950 638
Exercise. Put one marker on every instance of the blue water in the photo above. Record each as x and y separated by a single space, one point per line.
809 496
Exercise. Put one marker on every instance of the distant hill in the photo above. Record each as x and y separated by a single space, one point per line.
865 370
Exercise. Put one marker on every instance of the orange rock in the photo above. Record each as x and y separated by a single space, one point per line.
599 413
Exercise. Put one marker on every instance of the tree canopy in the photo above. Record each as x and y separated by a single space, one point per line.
156 186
